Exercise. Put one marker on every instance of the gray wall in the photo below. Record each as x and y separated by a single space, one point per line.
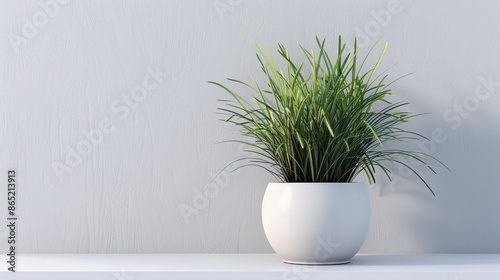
134 74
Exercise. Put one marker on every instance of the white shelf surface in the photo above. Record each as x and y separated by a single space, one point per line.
249 266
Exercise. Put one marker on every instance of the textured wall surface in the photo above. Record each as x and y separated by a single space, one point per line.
106 114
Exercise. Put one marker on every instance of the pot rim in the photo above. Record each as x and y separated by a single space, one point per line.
316 183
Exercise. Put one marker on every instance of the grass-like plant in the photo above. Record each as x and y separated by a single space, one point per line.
316 120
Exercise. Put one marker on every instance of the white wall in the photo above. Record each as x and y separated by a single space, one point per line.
73 72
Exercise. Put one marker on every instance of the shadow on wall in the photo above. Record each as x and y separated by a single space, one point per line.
458 219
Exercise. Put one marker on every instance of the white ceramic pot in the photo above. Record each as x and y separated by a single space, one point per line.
316 223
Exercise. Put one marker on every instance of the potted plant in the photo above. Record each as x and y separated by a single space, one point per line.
315 126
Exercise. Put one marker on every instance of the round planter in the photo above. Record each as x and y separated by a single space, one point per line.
316 223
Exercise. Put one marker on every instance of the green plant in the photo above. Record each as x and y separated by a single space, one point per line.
316 121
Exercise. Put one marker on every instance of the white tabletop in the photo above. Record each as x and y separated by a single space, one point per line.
250 266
